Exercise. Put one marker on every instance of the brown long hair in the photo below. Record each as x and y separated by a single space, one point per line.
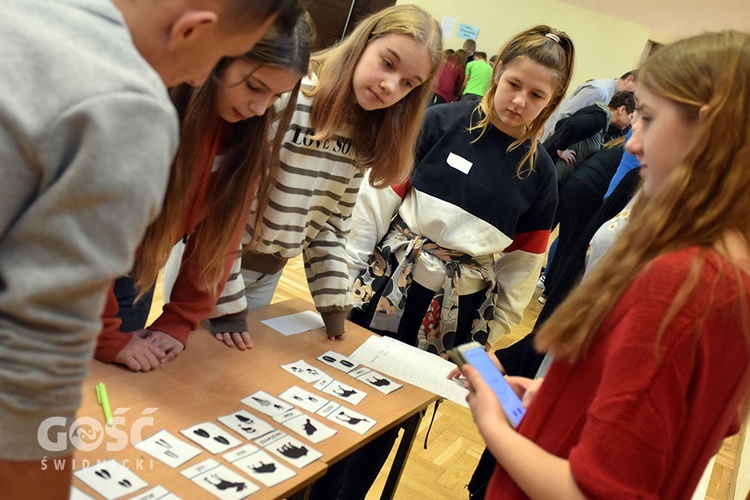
384 139
704 199
555 52
249 162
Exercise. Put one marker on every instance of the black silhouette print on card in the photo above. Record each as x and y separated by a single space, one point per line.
309 428
165 444
344 393
243 419
223 484
291 451
262 402
104 474
349 419
264 468
379 382
204 434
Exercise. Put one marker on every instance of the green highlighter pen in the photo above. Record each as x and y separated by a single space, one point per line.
103 398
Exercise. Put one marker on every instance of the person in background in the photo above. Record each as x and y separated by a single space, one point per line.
221 167
580 135
651 352
87 133
587 94
450 78
469 47
478 78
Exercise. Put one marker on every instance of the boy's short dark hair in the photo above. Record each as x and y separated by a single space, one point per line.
623 98
240 13
480 55
469 45
633 73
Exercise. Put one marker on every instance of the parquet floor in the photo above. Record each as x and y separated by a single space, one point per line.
442 471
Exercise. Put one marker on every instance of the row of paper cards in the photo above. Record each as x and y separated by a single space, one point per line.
112 480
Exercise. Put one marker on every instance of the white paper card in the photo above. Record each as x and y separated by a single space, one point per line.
270 438
328 409
211 437
345 392
287 415
338 361
309 428
265 469
294 452
225 483
266 404
246 424
301 369
200 468
293 324
240 453
352 420
379 382
155 493
304 399
111 479
363 370
169 449
323 383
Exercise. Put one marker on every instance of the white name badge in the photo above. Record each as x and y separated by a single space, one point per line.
461 164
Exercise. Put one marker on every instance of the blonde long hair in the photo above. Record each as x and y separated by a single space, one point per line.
555 52
249 162
703 200
385 139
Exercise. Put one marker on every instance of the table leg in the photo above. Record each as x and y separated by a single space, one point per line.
394 476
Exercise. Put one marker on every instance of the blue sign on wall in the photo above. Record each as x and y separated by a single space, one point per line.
466 31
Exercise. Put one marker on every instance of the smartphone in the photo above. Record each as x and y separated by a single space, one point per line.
474 354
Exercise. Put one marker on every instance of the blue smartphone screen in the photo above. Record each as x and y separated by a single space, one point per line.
479 359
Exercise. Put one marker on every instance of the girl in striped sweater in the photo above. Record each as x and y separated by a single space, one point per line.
337 133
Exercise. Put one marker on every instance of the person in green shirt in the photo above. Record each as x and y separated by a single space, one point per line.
478 76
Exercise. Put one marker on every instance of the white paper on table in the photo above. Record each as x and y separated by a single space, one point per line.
410 364
293 324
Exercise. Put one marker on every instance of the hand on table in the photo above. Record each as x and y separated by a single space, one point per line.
334 338
140 354
170 345
240 340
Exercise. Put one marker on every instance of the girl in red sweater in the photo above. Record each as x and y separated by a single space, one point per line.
652 357
222 166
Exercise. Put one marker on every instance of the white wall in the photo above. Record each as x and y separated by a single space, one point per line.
606 47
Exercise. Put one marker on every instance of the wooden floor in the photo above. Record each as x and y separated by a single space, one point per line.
442 471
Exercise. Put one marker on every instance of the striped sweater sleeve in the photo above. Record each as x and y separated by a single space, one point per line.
325 255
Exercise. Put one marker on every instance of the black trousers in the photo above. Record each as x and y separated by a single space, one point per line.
133 314
352 477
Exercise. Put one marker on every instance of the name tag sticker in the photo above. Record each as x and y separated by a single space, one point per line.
461 164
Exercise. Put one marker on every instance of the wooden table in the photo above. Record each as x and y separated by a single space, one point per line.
208 380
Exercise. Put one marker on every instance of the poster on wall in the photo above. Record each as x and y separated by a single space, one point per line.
467 31
448 25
